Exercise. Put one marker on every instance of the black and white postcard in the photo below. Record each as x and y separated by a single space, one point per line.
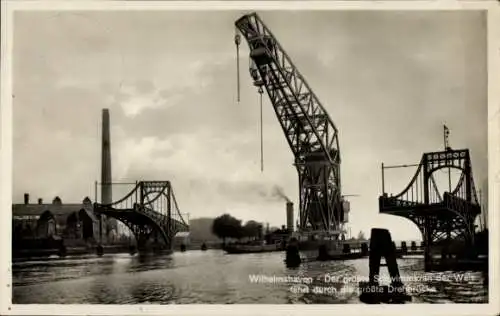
243 157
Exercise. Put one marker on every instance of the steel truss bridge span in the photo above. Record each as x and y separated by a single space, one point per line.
440 216
150 211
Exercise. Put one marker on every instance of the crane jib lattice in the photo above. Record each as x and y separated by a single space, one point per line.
309 130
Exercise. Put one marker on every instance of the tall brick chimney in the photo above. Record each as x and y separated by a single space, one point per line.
106 224
106 192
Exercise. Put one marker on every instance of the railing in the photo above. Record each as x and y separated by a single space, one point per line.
460 205
395 202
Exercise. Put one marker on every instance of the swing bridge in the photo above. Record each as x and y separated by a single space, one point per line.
440 216
150 211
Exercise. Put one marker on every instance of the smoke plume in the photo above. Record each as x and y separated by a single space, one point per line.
278 192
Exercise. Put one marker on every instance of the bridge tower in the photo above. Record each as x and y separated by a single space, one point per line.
446 218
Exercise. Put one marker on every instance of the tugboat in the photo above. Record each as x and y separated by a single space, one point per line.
271 242
323 246
315 242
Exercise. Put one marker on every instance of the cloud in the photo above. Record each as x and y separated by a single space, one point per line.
136 102
135 98
387 79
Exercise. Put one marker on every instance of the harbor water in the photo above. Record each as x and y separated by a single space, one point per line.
212 277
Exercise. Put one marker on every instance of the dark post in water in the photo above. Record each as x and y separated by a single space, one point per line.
381 245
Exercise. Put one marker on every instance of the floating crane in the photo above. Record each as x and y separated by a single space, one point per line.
309 130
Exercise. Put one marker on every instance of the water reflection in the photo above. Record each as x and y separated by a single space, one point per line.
212 277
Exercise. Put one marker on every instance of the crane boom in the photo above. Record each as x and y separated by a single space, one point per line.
309 130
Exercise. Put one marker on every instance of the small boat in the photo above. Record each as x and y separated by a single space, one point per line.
239 249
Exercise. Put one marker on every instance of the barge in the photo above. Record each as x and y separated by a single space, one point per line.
252 248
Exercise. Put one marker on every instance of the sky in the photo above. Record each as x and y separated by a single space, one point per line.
388 79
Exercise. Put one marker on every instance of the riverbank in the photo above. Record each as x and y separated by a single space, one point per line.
79 250
68 251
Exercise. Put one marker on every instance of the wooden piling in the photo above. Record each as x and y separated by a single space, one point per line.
346 249
100 250
364 249
292 254
404 248
381 245
322 252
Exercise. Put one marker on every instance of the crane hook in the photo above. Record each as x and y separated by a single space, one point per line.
237 39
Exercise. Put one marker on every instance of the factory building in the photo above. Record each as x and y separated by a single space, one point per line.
71 222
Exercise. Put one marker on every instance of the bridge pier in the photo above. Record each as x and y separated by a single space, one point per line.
147 243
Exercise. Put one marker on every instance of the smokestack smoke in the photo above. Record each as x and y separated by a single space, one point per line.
278 192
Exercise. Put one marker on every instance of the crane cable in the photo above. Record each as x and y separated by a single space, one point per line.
237 41
261 91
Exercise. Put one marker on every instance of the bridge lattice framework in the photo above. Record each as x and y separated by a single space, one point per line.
440 216
150 211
